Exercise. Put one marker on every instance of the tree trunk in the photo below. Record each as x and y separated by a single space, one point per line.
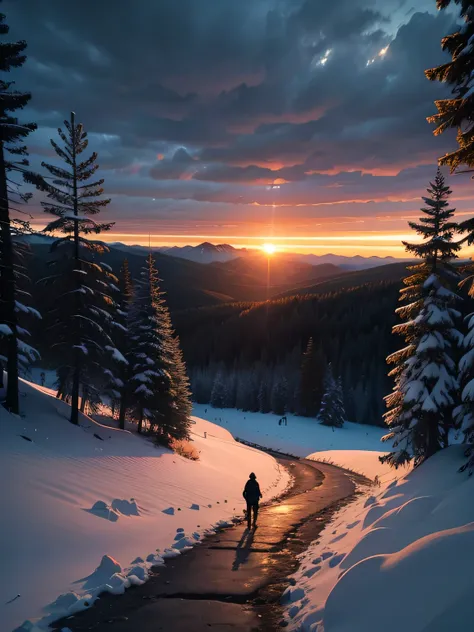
83 400
7 291
432 444
75 393
122 411
140 420
77 371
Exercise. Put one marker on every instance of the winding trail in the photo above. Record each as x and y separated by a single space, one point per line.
234 579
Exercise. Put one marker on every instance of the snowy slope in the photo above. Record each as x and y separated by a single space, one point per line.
361 461
300 437
51 539
398 558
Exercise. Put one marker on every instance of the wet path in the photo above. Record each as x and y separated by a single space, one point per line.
233 580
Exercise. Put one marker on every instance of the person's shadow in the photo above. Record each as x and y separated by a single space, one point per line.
243 549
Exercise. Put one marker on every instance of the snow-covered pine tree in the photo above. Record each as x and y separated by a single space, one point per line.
421 405
340 411
121 372
160 388
13 348
457 112
80 316
311 386
332 411
219 391
464 413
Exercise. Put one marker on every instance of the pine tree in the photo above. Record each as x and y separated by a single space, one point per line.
420 413
12 135
182 406
159 385
279 396
457 112
264 397
311 386
340 411
81 310
121 373
332 411
219 391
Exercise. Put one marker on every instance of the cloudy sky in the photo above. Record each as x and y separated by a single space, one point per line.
299 122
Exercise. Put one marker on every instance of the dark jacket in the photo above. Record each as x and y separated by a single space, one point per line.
252 493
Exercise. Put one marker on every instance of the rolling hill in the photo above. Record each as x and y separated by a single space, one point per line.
189 284
390 273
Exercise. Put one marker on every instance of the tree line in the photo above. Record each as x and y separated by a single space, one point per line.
111 335
273 356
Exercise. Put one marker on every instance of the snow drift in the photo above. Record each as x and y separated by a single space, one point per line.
72 495
396 559
301 436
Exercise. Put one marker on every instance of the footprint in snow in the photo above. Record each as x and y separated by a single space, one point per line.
169 511
326 555
312 571
336 560
337 538
352 524
195 507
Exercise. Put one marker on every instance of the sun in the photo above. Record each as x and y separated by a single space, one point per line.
270 249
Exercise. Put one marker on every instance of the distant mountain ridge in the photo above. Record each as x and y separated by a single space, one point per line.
221 253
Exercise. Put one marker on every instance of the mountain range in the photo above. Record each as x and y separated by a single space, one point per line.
252 276
211 253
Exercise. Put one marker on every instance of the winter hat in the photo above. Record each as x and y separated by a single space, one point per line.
252 475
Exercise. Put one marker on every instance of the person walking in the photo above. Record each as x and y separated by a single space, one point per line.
252 495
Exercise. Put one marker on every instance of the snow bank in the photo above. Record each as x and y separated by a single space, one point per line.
72 495
360 461
397 559
300 437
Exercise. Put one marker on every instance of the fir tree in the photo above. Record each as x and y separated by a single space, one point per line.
311 387
12 135
279 396
121 373
182 407
80 316
426 388
458 111
264 397
219 391
332 411
159 385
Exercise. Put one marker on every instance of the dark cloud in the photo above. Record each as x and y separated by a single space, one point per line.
212 105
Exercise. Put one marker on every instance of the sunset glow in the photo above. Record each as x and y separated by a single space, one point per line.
270 249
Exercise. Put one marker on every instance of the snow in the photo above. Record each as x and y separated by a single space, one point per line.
69 499
117 356
5 330
300 437
406 540
359 461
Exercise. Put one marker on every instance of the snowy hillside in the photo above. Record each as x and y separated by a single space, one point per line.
396 559
71 494
300 437
366 462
